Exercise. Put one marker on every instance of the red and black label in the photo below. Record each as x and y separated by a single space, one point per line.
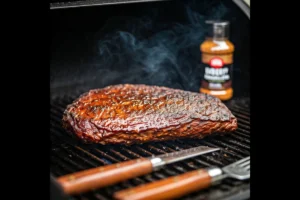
217 75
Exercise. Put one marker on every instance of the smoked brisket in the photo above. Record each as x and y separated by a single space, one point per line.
141 113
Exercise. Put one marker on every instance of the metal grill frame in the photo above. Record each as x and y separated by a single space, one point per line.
89 3
69 155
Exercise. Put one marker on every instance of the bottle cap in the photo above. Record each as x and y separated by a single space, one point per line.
219 29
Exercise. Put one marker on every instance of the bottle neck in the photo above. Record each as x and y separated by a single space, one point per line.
216 38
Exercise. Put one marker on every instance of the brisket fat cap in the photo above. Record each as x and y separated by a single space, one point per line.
140 113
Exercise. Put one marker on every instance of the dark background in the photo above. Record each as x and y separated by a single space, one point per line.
154 43
28 33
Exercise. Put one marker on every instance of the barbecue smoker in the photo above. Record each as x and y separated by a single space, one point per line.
99 43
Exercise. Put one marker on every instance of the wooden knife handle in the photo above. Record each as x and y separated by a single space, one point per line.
169 188
103 176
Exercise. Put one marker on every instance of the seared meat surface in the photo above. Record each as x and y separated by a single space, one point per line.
140 113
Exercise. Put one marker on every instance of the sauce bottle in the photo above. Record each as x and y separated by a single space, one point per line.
217 57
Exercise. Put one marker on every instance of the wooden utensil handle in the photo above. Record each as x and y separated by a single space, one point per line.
169 188
103 176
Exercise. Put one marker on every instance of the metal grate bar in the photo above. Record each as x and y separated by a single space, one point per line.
241 112
112 159
244 126
242 132
241 117
242 139
237 143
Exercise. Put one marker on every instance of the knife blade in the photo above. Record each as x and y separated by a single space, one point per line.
103 176
164 159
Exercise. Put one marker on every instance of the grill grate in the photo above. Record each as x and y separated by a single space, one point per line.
69 156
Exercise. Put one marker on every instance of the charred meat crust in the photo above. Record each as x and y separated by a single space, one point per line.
140 113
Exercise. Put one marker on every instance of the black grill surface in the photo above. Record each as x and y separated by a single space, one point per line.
68 155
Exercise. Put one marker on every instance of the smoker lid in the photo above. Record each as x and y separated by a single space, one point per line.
59 4
244 5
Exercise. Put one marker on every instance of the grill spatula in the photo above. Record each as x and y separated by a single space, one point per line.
177 186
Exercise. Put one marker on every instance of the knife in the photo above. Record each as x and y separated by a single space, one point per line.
99 177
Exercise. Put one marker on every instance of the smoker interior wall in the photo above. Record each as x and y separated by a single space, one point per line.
151 43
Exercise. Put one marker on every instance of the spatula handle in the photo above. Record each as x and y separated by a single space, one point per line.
173 187
103 176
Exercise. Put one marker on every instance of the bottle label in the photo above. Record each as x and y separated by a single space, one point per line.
217 74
